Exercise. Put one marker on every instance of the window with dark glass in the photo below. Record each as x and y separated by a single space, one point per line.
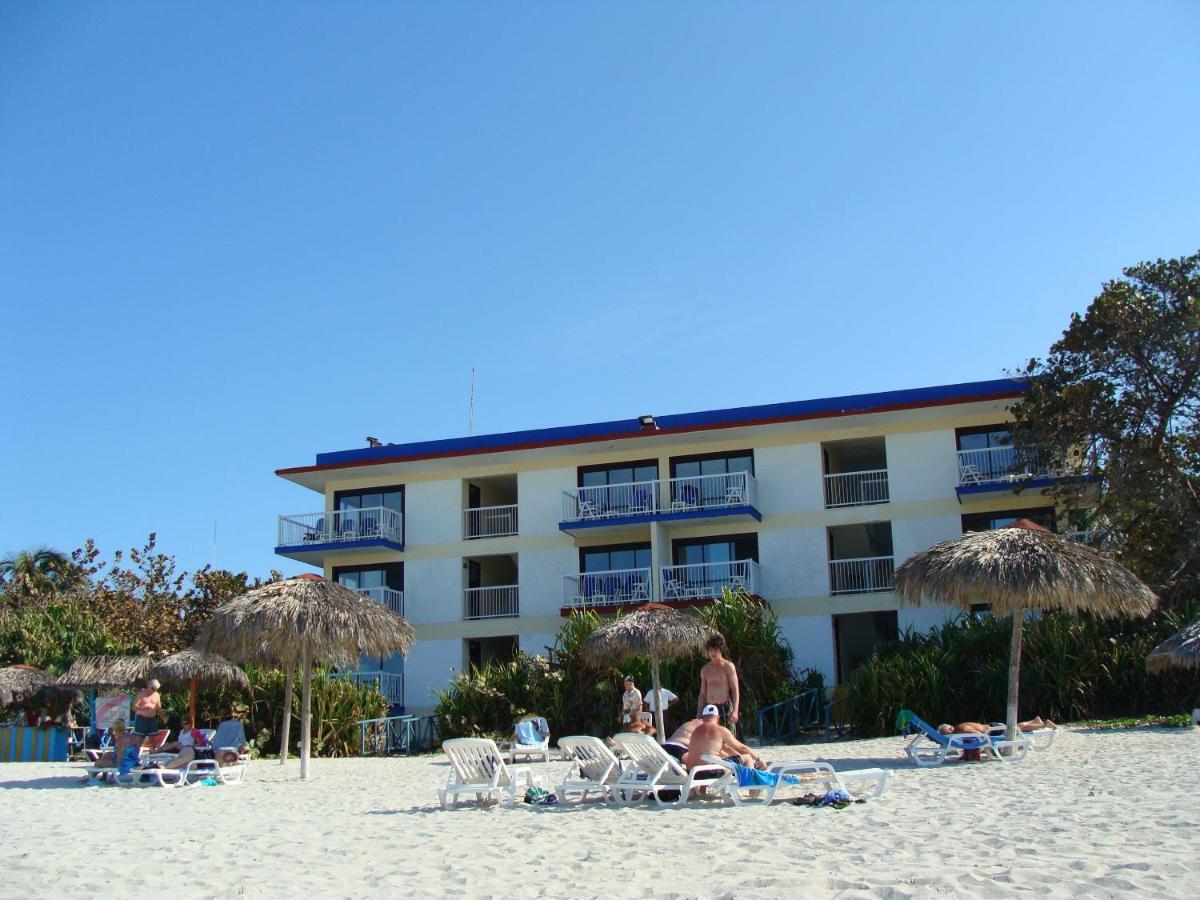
691 487
357 512
387 497
363 578
618 473
986 521
614 558
695 551
713 464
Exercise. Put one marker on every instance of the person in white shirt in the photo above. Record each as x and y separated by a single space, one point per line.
652 701
631 701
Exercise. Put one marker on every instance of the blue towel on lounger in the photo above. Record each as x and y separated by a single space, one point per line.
527 733
748 777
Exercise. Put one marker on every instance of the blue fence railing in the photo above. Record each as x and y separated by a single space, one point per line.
789 717
392 735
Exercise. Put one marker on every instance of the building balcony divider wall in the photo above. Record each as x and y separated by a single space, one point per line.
493 602
856 488
489 521
862 576
341 527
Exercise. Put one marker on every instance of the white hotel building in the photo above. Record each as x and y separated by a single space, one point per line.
486 542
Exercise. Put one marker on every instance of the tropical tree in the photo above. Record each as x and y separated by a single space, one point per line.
1117 401
38 572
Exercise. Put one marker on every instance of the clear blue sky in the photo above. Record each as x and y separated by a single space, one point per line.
233 235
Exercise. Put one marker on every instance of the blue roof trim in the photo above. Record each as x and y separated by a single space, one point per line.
626 428
665 516
363 544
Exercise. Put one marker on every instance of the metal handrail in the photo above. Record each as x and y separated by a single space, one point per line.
787 713
612 588
489 521
608 501
862 488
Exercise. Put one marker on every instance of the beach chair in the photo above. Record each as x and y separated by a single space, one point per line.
230 735
476 767
596 767
929 747
529 747
1043 738
652 771
805 775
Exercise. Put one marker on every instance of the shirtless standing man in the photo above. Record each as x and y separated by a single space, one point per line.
719 682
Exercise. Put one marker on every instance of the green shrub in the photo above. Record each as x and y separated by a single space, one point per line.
1072 667
579 698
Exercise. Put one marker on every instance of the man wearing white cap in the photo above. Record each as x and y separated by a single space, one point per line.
710 738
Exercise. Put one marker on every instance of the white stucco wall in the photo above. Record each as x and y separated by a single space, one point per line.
793 562
539 499
541 574
789 478
922 465
432 512
430 664
536 644
811 638
433 590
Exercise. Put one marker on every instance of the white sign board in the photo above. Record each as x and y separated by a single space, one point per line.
110 708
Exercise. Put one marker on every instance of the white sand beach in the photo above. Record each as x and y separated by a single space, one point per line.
1099 814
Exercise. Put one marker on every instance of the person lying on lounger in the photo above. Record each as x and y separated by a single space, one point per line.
979 728
193 745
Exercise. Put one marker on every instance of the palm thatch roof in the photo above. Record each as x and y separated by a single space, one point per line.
105 671
1180 649
21 681
179 670
276 622
655 631
1021 568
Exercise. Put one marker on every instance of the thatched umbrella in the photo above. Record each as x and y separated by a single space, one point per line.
653 630
98 672
1181 649
1019 567
194 667
299 622
21 680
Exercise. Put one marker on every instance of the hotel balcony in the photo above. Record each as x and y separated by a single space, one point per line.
489 522
862 576
681 586
390 684
308 536
991 469
706 581
856 488
606 590
389 597
498 602
611 507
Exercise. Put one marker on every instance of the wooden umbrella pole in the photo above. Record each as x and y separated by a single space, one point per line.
286 730
192 705
658 713
305 710
1014 672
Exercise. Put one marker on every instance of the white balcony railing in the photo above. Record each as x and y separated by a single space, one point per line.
340 526
856 488
996 465
712 491
489 521
610 501
390 684
499 602
707 580
863 575
389 597
597 589
640 498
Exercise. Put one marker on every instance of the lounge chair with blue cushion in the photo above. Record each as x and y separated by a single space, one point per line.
929 747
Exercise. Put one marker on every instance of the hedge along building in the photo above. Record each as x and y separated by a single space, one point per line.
484 543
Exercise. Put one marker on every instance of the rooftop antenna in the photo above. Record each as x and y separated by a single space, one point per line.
471 405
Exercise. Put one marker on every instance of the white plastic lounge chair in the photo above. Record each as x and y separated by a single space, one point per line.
1043 738
538 748
652 770
476 767
596 767
806 775
929 747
